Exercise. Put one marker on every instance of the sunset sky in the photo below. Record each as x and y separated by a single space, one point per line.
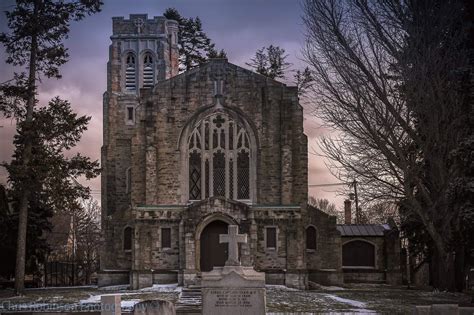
239 27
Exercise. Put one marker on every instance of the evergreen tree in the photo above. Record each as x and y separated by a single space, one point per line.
35 42
213 53
303 80
195 47
270 61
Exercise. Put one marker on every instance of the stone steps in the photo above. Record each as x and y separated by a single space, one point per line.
190 301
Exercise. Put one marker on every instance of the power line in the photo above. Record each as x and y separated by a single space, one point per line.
329 184
356 197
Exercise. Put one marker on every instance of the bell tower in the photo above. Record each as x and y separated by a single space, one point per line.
143 52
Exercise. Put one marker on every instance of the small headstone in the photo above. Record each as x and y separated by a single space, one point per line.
154 307
233 289
444 309
466 310
422 310
110 305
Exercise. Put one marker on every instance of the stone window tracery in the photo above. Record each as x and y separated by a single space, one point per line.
130 73
148 71
219 159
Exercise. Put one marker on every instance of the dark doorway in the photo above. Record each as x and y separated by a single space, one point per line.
212 253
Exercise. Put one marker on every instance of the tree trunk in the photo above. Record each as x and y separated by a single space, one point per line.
26 158
443 271
460 267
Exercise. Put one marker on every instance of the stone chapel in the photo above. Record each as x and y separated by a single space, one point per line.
185 155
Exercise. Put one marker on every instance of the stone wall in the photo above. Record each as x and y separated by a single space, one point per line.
152 148
270 108
324 263
122 141
328 240
387 260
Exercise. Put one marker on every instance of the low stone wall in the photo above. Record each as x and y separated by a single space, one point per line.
107 278
165 278
363 276
325 277
147 278
155 307
275 278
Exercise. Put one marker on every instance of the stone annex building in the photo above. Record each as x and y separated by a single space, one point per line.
185 155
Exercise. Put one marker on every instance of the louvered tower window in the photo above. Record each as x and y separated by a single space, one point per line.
148 71
219 159
130 73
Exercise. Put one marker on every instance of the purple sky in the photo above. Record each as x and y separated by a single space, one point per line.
239 27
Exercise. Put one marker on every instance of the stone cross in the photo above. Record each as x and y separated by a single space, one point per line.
139 24
233 238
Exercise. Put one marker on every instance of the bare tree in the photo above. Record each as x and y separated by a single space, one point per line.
87 233
84 239
327 207
75 239
379 213
386 80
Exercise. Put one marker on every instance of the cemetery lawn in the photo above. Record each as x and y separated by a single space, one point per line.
362 298
82 298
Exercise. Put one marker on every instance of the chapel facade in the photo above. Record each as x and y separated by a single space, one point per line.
185 155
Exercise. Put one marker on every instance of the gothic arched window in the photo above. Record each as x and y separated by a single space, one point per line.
219 159
148 71
130 73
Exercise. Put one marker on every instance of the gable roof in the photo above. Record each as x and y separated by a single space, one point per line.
223 63
363 229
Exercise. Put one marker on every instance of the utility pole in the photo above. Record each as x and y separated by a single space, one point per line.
352 195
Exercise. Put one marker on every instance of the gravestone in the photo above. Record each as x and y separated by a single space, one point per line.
443 309
110 304
233 289
154 307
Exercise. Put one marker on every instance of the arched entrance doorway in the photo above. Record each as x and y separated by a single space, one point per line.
213 254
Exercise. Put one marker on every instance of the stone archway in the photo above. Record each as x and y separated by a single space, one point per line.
223 219
213 254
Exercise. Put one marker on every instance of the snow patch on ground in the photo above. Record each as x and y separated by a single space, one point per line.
121 287
164 288
347 301
331 288
129 304
96 298
173 287
280 287
63 288
91 299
